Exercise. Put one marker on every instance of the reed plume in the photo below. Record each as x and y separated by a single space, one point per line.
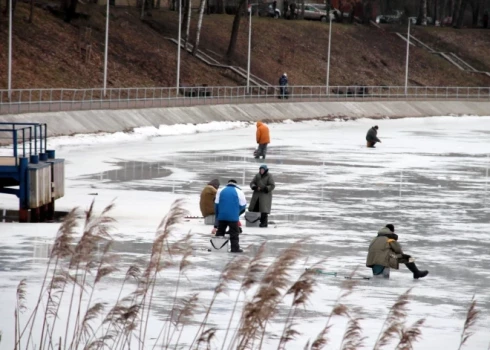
471 318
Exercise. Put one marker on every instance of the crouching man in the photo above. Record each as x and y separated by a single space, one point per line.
229 204
385 251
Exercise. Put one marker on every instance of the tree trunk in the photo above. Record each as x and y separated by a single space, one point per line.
188 23
461 11
455 11
199 25
435 14
234 31
475 11
341 19
71 10
423 13
443 11
31 12
220 7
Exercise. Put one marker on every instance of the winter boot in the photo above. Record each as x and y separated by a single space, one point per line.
239 250
264 220
416 272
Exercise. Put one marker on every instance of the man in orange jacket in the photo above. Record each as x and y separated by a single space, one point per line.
263 139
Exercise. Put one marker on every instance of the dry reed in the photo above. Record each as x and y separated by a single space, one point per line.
75 268
471 318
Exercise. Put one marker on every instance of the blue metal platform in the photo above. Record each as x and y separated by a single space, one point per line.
29 171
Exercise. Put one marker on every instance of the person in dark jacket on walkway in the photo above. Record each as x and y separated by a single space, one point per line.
230 203
283 83
385 251
261 202
372 136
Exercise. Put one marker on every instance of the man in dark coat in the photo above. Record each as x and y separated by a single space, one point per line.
263 184
372 136
283 83
385 251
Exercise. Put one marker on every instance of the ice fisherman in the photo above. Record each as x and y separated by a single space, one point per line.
283 83
208 196
263 139
230 203
262 184
385 251
372 136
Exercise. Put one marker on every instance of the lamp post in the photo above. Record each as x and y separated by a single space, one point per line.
106 51
178 47
10 53
328 54
408 52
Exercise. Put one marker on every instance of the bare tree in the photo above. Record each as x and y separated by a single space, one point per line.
71 10
234 30
455 11
423 13
199 25
31 12
460 14
220 6
188 22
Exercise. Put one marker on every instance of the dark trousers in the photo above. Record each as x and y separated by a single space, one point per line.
261 151
371 143
233 231
264 217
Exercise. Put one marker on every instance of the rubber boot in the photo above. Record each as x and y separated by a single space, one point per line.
416 272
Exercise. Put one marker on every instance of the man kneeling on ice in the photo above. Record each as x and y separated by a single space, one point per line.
385 251
229 204
372 136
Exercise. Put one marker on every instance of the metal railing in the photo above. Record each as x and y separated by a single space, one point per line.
45 100
21 140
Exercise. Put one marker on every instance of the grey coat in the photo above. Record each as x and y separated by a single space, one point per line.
372 135
265 199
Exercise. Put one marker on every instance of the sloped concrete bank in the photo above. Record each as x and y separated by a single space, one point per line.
81 122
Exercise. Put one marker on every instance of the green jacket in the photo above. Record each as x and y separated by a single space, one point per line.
265 199
384 250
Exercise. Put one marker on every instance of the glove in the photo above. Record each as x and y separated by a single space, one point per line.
406 256
254 187
265 190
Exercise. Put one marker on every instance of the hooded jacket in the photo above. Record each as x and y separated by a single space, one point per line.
208 196
230 201
384 250
263 136
372 135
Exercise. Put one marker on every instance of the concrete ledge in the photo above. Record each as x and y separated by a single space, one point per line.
82 122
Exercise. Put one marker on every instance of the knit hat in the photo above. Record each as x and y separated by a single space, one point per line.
232 181
215 183
263 166
376 127
391 227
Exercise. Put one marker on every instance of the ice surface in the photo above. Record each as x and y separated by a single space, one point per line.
428 177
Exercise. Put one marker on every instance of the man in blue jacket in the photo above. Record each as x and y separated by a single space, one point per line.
229 204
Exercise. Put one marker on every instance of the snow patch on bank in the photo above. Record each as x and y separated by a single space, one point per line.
142 133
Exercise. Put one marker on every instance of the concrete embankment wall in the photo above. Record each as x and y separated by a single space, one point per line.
79 122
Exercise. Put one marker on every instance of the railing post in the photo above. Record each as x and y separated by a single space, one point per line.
14 136
23 144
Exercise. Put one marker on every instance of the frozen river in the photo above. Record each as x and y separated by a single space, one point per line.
428 177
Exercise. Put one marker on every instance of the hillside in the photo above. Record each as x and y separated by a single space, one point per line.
46 52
